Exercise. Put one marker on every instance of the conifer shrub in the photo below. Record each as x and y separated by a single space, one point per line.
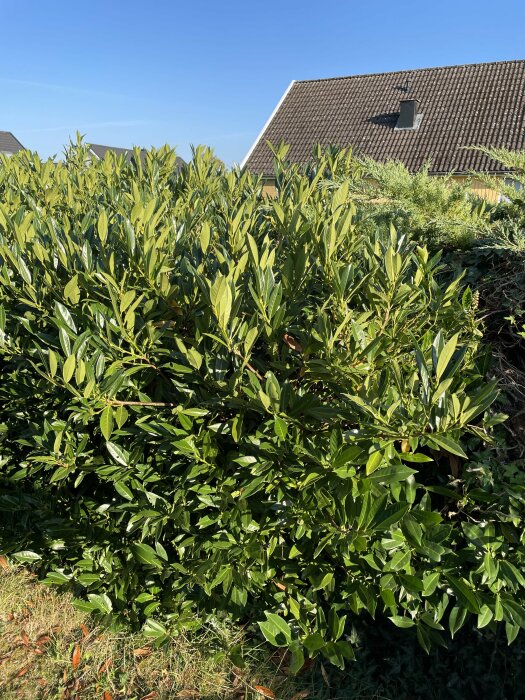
214 405
440 211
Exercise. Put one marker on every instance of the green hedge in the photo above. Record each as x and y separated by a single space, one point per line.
213 403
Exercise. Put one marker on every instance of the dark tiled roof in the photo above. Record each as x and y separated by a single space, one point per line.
481 104
100 151
9 143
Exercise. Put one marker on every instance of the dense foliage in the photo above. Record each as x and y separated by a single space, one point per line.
217 404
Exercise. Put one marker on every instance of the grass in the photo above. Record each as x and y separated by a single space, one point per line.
48 649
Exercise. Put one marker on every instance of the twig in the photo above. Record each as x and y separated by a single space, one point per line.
248 365
160 404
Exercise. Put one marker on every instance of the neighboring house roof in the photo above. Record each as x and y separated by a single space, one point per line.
100 151
481 104
9 143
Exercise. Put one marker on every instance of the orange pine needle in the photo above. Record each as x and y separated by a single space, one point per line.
75 659
144 651
263 690
104 667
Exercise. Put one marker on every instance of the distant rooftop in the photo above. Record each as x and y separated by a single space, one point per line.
100 151
9 143
481 104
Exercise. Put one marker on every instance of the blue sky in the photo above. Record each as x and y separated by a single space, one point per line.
157 72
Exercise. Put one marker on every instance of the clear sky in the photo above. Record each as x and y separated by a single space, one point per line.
149 73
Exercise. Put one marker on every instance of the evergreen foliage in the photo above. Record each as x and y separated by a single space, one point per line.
216 404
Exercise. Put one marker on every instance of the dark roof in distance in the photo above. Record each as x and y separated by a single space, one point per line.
482 104
100 151
9 143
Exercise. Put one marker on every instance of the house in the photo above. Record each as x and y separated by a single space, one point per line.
9 144
413 116
99 151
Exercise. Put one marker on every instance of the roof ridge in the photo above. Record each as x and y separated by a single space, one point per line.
411 70
104 146
112 148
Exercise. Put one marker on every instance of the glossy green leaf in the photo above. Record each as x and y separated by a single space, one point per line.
145 554
276 630
68 369
106 422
